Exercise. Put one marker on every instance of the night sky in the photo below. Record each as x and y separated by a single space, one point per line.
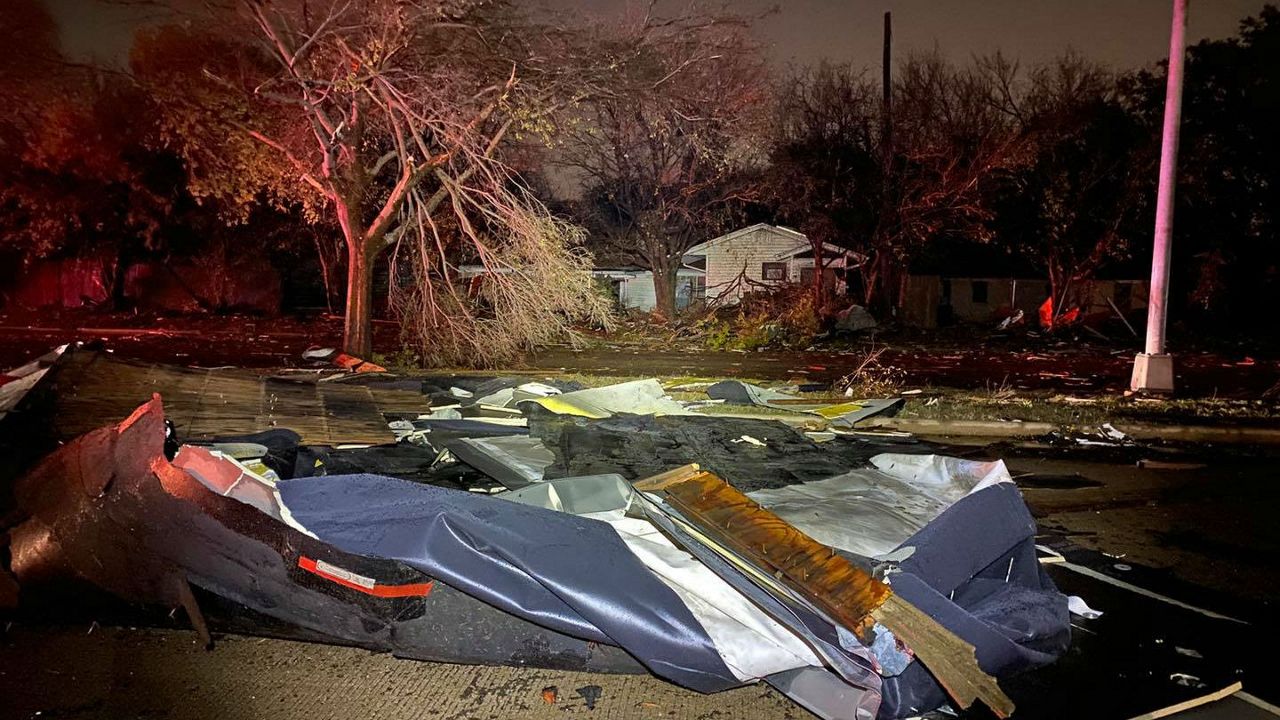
1120 33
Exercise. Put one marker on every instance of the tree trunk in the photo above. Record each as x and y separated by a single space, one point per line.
357 334
881 300
819 281
664 290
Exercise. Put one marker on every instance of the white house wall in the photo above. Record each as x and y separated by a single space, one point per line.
727 261
637 292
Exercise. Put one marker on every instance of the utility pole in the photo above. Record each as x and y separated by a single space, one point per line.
885 274
1153 369
886 144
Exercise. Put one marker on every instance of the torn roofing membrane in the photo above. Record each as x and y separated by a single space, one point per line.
518 558
108 508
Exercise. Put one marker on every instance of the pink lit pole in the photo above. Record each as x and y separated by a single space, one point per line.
1153 369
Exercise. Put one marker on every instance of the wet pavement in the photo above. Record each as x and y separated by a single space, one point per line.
1018 364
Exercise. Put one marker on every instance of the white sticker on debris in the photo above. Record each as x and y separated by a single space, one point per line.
335 571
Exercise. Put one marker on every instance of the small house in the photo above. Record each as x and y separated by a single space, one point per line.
633 286
723 269
763 256
934 300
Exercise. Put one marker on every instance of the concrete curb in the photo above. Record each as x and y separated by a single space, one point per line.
1017 428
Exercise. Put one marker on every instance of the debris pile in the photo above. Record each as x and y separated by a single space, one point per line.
504 521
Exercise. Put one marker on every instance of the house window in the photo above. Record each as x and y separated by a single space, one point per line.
979 289
774 271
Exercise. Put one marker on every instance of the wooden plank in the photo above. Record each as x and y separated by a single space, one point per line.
1184 706
844 592
670 477
399 401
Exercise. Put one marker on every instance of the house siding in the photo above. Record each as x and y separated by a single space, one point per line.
637 292
746 255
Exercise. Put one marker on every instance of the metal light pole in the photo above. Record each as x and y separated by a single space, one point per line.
1153 369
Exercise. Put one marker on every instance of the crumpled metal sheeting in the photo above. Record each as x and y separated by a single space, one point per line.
576 495
871 511
638 447
514 461
638 397
823 694
108 508
845 414
15 383
226 476
570 574
741 393
438 387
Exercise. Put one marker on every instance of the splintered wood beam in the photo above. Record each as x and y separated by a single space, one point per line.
670 477
846 593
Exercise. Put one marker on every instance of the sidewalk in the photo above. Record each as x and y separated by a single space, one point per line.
117 673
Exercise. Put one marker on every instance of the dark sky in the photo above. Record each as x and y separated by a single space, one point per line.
1120 33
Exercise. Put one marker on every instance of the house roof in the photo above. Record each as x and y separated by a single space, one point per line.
827 248
635 272
802 243
701 248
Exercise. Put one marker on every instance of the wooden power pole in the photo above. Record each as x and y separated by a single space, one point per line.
885 274
886 145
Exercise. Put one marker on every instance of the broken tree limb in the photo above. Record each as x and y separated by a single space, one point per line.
188 600
1120 315
844 592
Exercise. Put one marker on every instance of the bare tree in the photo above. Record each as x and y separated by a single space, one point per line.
950 140
664 152
389 118
1070 206
825 177
951 143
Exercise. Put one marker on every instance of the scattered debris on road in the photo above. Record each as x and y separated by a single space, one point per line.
503 521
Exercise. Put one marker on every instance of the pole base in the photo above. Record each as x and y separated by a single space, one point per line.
1152 373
